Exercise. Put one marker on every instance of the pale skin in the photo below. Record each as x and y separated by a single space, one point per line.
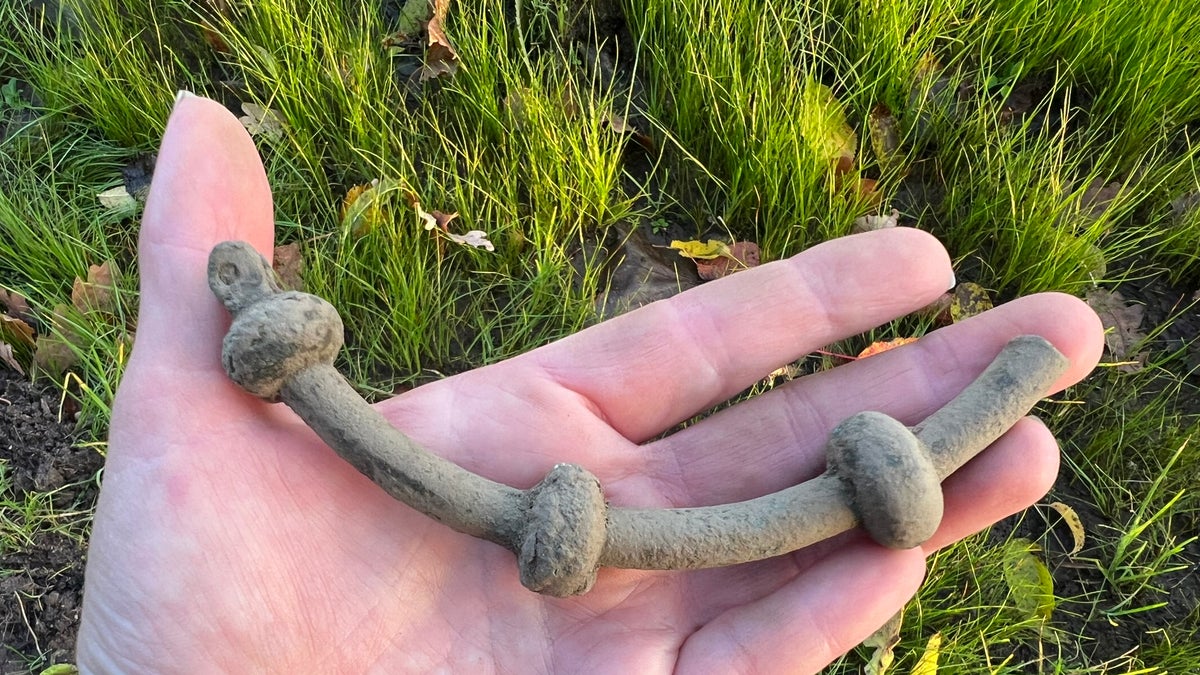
230 539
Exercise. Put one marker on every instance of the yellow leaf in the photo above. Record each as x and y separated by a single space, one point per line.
884 641
928 663
969 300
1073 521
880 347
824 127
1029 582
885 134
698 250
363 207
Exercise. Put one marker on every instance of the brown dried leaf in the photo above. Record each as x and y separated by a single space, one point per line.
739 256
53 351
15 305
1121 326
15 331
6 356
288 264
1098 197
98 293
621 126
440 57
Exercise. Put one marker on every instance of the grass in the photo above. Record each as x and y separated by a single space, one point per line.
1010 120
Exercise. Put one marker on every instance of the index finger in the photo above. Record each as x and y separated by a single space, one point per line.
646 371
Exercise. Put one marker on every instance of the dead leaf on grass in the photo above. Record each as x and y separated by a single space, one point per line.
117 199
363 206
475 238
1073 521
824 127
98 293
742 255
622 127
871 223
701 250
1122 322
15 305
885 134
54 352
928 663
883 641
6 356
1098 197
15 331
260 121
288 264
885 345
440 58
970 299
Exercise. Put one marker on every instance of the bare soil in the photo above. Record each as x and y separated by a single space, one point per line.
41 578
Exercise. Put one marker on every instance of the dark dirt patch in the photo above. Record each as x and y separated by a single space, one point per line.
41 577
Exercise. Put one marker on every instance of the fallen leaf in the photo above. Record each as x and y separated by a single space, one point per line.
260 121
823 126
214 40
1029 582
701 250
15 331
476 238
288 264
1074 522
885 345
928 663
117 199
16 305
440 57
436 219
1098 197
98 293
363 206
1121 326
871 223
739 255
883 641
54 352
885 134
621 126
868 190
411 19
969 300
6 356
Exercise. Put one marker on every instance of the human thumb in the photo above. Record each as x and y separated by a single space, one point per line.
209 186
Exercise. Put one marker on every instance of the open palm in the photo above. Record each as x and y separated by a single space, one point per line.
228 537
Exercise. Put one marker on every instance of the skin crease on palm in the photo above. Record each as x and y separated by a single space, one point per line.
228 538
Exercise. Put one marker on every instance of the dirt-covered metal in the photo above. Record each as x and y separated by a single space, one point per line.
881 474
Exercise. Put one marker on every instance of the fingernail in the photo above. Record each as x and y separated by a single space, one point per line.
182 94
953 281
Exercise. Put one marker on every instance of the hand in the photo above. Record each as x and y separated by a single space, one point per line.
228 537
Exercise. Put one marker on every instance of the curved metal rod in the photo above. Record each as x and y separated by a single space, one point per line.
881 474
